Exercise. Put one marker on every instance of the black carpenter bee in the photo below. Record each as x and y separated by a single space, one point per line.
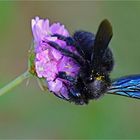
96 62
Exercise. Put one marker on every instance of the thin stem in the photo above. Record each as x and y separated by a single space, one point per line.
14 83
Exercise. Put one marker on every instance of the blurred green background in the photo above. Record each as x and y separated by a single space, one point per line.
28 112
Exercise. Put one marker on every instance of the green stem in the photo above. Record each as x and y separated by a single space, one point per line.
14 83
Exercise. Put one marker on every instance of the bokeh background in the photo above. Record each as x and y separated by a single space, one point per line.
28 112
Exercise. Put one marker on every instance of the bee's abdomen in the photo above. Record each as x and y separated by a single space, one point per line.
85 41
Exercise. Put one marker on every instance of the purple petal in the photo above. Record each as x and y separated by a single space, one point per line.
49 61
55 86
64 92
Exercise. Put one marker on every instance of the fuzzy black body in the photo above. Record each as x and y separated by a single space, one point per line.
91 85
95 60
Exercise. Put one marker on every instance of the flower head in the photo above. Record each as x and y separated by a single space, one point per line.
49 61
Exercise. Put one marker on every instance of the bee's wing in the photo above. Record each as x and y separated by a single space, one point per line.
102 39
126 86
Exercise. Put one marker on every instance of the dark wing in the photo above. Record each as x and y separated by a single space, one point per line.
102 39
126 86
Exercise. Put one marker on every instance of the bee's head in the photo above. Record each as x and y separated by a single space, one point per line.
98 85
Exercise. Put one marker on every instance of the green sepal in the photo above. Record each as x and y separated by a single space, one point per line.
31 61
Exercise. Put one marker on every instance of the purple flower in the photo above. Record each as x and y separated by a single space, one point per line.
49 61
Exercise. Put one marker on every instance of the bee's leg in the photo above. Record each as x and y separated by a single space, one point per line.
70 86
66 52
64 76
74 92
70 41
